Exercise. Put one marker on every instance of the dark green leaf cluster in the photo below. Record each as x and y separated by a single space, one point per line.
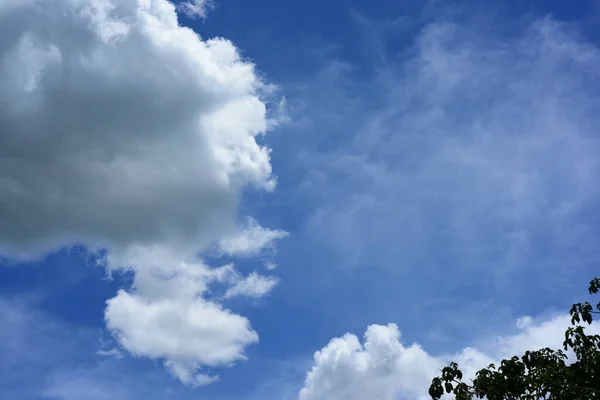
541 374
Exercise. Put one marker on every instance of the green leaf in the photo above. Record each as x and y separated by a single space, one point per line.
448 387
539 374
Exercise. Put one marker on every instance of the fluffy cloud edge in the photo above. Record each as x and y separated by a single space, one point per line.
253 285
382 367
137 136
251 239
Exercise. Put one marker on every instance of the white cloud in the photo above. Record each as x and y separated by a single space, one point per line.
110 353
348 369
471 152
187 333
166 316
384 368
121 129
465 169
136 132
270 266
195 8
253 285
469 125
251 239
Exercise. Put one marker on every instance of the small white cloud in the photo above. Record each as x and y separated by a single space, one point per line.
251 239
279 114
270 266
195 8
186 374
524 322
166 317
110 353
253 285
188 333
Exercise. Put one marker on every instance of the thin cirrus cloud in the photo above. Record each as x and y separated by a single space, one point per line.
253 285
195 8
468 163
472 153
44 357
122 130
473 141
251 239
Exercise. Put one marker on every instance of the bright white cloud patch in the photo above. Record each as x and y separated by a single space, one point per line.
121 129
253 285
382 367
349 369
189 334
251 239
270 266
195 8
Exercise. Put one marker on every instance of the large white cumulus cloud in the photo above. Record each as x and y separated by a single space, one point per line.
120 126
384 368
121 129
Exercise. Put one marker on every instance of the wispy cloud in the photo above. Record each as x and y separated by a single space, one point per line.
471 153
253 285
449 186
195 8
33 346
43 356
251 239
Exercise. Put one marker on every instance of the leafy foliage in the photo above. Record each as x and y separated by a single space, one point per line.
541 374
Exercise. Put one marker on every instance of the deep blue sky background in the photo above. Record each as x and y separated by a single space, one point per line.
323 291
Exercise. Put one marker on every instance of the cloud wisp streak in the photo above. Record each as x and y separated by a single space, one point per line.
464 170
473 152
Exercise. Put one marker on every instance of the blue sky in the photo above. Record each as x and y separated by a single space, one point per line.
432 165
